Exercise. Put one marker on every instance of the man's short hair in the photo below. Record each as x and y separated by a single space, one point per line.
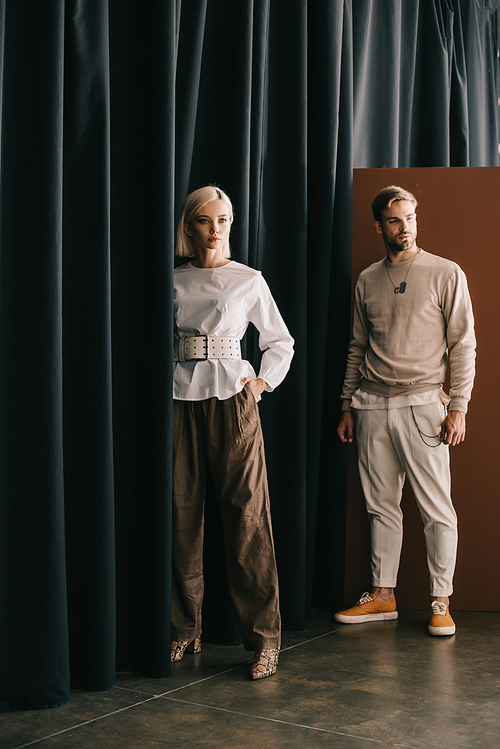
387 197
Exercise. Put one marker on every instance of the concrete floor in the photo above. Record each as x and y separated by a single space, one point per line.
386 684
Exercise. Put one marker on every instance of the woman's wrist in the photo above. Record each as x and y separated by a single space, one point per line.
257 386
261 384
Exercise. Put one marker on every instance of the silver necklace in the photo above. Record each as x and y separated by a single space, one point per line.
402 286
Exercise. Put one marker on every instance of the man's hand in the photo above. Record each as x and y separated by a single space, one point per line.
345 429
256 386
453 428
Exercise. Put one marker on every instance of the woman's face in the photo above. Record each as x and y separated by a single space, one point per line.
210 227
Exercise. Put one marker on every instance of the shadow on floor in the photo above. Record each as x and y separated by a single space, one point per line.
383 684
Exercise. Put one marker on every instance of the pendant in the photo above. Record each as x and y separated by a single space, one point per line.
401 288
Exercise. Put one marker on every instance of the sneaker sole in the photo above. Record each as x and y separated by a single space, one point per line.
366 618
442 630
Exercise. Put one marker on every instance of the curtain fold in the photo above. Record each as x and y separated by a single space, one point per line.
143 66
32 564
281 254
111 113
480 23
87 373
330 148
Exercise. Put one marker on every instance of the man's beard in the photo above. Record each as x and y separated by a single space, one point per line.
396 246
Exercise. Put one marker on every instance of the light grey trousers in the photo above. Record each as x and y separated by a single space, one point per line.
390 447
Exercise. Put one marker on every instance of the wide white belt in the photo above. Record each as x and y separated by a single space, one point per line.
206 347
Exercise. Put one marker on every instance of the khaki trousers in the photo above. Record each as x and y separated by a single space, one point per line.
224 438
390 448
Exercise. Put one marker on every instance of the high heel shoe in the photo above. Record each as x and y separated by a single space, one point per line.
178 648
265 663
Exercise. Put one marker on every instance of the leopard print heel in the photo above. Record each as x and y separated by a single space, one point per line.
179 648
265 663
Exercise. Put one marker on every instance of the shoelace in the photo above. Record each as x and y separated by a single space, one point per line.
365 598
438 607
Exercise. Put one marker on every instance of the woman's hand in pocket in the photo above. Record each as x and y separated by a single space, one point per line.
256 386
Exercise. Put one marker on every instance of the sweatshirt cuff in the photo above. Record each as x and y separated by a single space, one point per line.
458 404
346 405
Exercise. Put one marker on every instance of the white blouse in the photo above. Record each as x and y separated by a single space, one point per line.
221 302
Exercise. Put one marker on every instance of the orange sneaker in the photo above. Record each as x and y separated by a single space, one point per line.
441 622
368 609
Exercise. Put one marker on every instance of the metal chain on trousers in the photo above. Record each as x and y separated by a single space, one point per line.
422 434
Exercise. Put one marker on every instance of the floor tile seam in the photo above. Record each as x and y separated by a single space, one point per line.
200 681
288 723
234 668
135 691
87 722
311 639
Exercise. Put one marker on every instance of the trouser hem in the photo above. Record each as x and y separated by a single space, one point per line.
184 635
380 583
267 644
441 592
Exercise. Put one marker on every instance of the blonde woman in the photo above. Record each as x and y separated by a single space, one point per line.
217 431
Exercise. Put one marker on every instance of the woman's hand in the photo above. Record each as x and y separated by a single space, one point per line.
256 386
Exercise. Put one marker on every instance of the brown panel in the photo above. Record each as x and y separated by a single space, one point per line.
458 218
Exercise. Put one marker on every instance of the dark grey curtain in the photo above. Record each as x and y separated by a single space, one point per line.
112 110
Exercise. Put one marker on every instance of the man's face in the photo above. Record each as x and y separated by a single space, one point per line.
399 226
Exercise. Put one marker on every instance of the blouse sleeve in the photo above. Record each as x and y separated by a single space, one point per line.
275 341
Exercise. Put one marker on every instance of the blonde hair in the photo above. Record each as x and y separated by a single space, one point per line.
193 203
387 197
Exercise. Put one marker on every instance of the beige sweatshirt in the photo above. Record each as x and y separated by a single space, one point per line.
402 343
